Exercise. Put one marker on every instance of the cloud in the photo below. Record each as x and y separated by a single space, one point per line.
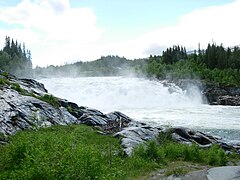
57 33
216 23
51 25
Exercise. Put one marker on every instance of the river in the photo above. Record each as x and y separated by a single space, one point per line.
149 101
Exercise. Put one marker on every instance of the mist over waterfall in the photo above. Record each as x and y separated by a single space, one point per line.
115 93
154 102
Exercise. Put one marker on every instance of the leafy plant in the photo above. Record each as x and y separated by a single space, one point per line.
3 81
176 171
18 88
50 99
5 74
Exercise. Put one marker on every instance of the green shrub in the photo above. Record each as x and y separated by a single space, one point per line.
192 153
50 99
60 152
5 74
165 137
3 81
18 88
172 151
69 109
152 151
216 156
176 171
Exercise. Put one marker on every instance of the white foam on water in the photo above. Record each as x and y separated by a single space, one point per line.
149 101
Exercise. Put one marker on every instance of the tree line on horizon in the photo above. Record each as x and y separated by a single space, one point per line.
105 66
215 64
15 58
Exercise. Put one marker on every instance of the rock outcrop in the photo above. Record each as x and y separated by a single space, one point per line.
26 104
216 173
213 94
217 95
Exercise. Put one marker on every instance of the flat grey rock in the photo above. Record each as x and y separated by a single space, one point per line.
224 173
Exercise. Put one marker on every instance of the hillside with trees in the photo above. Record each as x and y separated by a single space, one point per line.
216 64
105 66
15 58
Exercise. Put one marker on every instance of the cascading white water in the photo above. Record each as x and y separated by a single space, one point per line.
149 101
115 93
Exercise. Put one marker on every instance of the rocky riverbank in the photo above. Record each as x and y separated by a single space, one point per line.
222 95
214 94
26 104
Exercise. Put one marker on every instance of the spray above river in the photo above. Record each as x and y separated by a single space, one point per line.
149 101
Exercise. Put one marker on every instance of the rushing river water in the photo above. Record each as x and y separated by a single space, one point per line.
149 101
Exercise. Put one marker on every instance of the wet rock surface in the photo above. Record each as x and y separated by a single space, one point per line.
217 95
213 94
217 173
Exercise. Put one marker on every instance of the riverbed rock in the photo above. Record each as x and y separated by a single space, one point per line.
216 173
224 173
222 95
136 133
229 100
20 112
213 94
189 136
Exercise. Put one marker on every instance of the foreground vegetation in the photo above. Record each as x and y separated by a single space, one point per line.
79 152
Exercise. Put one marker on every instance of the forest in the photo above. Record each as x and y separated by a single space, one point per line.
105 66
15 58
215 64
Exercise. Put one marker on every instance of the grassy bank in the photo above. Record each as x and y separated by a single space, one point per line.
79 152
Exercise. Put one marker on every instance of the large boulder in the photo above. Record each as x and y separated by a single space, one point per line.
20 112
189 136
229 100
136 133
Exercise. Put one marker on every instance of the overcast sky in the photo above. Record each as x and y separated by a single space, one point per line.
64 31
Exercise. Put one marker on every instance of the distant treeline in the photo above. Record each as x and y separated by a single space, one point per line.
215 64
105 66
15 58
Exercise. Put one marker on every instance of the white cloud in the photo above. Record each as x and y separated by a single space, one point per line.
216 23
56 33
47 26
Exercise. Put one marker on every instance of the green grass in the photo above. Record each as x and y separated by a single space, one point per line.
65 152
46 97
79 152
172 151
50 99
18 88
3 81
5 74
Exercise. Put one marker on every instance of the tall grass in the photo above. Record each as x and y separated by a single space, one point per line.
79 152
3 81
50 99
172 151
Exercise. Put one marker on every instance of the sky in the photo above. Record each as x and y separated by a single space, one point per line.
65 31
